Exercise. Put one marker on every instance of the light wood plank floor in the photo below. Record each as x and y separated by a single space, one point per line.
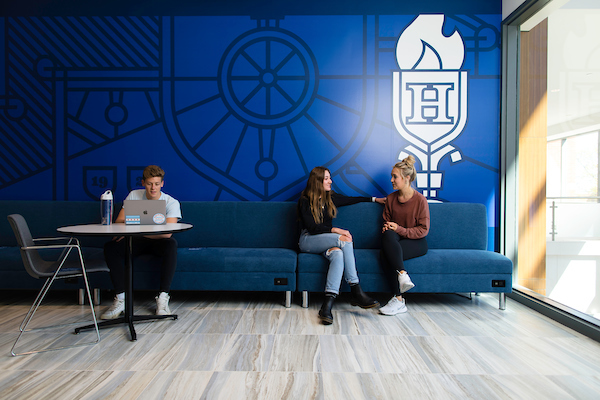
248 346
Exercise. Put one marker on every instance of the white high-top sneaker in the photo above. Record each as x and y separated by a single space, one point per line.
162 304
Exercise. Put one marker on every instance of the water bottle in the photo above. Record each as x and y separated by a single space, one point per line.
106 207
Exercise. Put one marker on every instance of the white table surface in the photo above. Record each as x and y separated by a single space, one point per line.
122 229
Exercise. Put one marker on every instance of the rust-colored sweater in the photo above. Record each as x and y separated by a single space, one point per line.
412 217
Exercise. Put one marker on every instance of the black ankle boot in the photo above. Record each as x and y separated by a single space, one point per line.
360 298
325 311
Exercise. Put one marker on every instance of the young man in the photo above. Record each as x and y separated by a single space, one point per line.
163 246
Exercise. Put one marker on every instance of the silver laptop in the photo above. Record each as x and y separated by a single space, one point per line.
145 212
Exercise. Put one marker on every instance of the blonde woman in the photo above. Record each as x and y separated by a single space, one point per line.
316 209
406 224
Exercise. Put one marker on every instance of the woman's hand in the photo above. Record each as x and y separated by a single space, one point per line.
380 200
342 232
390 226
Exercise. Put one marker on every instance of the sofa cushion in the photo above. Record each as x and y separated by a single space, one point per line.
453 225
240 224
458 226
364 221
436 261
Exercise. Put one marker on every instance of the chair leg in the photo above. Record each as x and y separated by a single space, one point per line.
29 316
38 302
87 288
35 305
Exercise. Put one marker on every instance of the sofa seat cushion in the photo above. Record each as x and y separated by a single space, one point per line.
436 261
227 259
459 261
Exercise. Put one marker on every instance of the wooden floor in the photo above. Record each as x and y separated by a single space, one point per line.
248 346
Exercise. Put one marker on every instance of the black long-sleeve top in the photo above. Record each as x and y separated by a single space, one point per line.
307 220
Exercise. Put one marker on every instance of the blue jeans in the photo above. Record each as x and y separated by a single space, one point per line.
341 262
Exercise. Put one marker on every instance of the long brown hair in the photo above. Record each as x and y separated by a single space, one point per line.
317 195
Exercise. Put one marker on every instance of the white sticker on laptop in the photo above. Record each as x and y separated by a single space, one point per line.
158 218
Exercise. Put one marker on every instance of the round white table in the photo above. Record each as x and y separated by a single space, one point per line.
128 231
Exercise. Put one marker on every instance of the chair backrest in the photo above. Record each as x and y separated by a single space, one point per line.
31 258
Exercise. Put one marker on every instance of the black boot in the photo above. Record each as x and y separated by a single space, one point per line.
325 311
360 298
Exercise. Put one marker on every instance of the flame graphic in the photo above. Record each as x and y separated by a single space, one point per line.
420 47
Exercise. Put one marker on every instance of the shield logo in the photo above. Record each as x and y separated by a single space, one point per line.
429 99
96 180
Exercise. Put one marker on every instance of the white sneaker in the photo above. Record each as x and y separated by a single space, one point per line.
162 304
393 307
405 282
116 310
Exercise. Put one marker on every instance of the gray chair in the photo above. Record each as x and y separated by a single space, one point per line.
64 267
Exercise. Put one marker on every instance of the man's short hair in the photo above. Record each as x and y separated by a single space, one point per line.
153 171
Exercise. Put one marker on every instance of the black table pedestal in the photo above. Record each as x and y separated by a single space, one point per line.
129 317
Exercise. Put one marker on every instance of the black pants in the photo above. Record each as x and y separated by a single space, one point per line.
165 249
394 250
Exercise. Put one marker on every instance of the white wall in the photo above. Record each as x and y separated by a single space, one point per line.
573 274
508 6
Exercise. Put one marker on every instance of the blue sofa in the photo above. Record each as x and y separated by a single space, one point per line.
253 246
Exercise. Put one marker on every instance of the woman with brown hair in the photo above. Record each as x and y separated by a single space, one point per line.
316 209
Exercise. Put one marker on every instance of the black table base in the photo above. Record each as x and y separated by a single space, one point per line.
126 320
129 317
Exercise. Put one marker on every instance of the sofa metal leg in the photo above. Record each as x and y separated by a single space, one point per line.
502 301
305 299
288 299
81 297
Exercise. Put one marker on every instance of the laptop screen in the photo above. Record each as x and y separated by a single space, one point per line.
145 212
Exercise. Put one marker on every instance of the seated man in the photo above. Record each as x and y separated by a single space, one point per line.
163 246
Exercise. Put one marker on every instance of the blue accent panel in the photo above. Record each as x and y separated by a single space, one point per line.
236 100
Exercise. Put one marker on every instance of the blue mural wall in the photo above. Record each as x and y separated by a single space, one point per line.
239 101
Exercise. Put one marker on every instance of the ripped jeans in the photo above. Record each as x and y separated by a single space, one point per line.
341 262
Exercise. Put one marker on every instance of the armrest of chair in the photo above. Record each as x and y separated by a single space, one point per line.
58 239
51 246
66 247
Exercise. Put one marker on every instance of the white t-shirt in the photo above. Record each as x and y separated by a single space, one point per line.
173 206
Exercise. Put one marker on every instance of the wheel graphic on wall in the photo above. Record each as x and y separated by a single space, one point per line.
267 78
262 127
